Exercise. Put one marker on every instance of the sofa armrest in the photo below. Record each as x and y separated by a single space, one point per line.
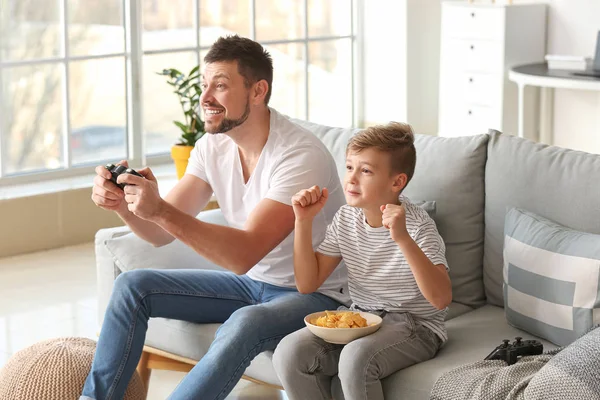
106 270
119 250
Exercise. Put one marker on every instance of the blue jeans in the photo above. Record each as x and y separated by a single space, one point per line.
255 317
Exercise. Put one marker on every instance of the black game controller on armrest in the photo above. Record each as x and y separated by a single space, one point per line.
116 170
511 352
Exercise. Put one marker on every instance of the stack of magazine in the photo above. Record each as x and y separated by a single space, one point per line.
569 63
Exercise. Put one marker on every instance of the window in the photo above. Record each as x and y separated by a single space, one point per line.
78 82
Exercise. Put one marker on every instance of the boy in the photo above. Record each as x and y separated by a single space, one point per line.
396 268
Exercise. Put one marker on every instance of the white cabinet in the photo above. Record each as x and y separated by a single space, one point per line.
479 44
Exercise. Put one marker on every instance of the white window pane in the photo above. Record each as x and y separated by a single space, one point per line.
289 90
331 17
96 27
98 112
168 24
161 105
29 29
223 17
330 82
279 19
32 107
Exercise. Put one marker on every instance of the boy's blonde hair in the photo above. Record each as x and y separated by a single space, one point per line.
395 138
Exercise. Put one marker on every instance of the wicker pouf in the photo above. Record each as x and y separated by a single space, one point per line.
54 369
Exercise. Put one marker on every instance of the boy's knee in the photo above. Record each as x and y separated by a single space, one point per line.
355 361
292 352
284 355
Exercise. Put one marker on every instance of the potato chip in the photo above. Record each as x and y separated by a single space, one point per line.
346 319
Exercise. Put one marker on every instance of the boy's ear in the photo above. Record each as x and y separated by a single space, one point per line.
400 181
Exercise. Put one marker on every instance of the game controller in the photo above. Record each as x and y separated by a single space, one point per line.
116 170
511 352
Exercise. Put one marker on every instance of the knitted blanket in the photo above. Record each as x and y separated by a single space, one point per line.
568 373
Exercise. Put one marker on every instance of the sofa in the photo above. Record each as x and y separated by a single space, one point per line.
473 181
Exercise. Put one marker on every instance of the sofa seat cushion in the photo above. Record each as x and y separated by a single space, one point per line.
190 340
472 336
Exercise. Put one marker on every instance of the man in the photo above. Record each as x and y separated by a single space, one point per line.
254 160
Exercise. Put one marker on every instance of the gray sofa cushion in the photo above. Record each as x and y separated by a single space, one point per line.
450 171
335 139
130 252
552 182
190 340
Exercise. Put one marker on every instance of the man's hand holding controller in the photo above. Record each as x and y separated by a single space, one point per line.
133 191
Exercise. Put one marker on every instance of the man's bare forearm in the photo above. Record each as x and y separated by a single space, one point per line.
230 248
306 267
146 230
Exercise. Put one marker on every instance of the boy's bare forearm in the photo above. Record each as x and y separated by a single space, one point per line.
433 282
306 268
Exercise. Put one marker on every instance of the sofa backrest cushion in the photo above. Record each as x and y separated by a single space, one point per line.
559 184
335 139
129 252
449 171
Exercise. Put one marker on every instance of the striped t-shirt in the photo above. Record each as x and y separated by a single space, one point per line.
379 277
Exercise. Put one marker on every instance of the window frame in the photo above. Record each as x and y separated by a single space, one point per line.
133 58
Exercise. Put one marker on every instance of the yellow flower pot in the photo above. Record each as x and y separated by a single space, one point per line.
181 154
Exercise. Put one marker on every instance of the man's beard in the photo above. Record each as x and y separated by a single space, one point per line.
228 124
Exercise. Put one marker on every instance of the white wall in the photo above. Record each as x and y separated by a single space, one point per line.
400 63
572 29
384 62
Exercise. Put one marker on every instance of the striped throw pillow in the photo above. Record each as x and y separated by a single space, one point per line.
551 277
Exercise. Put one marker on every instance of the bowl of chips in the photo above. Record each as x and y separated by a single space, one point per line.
342 327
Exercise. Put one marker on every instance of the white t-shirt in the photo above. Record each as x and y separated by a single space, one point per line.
291 160
379 277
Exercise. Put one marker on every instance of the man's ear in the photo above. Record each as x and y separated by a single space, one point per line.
259 92
400 181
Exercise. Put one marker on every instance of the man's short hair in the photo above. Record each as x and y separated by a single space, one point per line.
254 62
395 138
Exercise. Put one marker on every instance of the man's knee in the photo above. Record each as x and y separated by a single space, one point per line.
249 319
135 281
246 329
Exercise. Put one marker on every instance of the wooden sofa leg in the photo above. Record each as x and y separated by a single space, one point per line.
144 371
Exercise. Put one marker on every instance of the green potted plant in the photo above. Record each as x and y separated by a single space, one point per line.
188 90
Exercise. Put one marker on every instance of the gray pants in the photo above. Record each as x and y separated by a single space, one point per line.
306 364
